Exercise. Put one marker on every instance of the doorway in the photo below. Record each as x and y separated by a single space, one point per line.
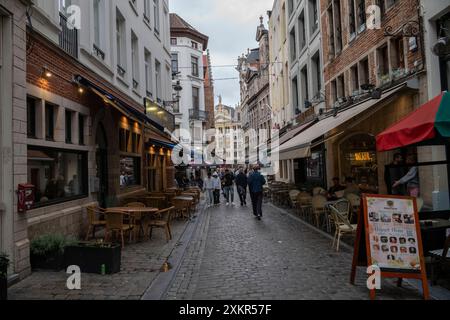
102 166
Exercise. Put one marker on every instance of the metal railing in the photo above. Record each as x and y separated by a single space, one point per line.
68 38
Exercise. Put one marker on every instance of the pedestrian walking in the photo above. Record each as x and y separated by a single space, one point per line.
217 188
411 179
208 186
255 184
242 183
228 187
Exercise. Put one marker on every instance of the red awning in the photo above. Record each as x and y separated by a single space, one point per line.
419 126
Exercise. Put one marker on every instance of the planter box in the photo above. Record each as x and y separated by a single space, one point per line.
90 257
53 262
3 288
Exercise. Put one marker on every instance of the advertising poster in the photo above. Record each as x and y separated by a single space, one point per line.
394 244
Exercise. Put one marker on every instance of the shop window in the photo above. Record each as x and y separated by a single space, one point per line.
122 144
359 160
130 172
57 175
50 122
423 173
31 118
314 166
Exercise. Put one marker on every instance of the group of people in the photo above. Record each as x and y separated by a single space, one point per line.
226 181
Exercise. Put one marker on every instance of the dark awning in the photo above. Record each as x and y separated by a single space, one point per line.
118 103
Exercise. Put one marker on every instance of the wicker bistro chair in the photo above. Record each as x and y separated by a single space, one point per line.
318 208
343 227
293 195
137 217
96 219
182 208
439 259
163 221
344 208
355 203
155 202
304 205
115 224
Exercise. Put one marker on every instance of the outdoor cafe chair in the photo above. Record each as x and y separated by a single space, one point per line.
96 219
439 258
319 191
318 208
343 206
182 208
163 221
137 217
115 224
293 194
304 205
355 203
343 227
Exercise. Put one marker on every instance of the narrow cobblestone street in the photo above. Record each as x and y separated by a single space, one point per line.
234 256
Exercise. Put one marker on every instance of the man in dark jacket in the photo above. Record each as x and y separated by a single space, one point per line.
255 184
242 183
228 186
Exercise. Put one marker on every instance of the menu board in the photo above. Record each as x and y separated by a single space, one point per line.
392 232
389 237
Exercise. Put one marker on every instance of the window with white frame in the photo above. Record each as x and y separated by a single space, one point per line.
121 47
135 59
63 5
174 62
99 11
148 73
158 80
194 65
147 10
156 15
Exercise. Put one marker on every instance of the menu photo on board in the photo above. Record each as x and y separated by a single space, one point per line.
393 235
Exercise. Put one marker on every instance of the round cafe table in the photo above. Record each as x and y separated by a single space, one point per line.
135 211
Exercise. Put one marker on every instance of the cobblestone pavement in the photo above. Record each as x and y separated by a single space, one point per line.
141 264
233 256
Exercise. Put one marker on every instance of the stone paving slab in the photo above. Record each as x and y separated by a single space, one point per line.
237 257
141 264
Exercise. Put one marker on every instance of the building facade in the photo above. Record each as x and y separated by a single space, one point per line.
255 107
92 128
209 90
13 226
187 47
228 138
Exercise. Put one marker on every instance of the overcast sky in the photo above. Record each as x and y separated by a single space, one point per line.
231 27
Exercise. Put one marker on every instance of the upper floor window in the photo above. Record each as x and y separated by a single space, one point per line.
31 117
313 16
302 31
81 123
148 73
49 122
174 62
196 98
121 46
194 45
147 10
173 41
156 15
194 64
293 44
135 59
290 7
99 11
63 5
158 80
69 119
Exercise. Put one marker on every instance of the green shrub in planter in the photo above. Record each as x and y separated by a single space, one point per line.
94 257
47 252
4 264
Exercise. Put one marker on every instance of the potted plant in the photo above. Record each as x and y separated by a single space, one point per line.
47 252
94 257
4 264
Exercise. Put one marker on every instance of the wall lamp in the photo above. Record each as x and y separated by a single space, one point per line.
46 73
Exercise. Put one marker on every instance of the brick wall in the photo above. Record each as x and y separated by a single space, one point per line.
365 43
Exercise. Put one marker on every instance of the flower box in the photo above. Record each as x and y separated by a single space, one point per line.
91 257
